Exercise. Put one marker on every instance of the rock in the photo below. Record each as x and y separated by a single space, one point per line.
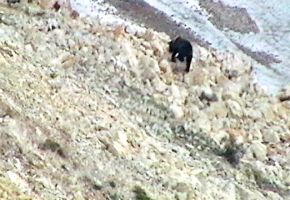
274 196
235 63
159 85
287 178
208 95
181 196
254 114
217 109
234 108
69 62
157 48
203 123
270 136
217 124
230 189
149 35
247 194
220 137
197 76
149 67
231 90
18 181
135 30
258 151
165 66
176 110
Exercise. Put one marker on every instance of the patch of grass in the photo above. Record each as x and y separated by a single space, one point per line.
52 146
141 193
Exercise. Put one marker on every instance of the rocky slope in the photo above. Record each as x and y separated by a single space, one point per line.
95 112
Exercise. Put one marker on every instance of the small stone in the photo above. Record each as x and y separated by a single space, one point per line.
159 85
203 123
157 48
258 150
208 95
176 110
234 108
116 149
197 76
270 136
220 137
165 66
217 109
181 196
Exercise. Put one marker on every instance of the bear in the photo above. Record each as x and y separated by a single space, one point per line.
181 48
12 1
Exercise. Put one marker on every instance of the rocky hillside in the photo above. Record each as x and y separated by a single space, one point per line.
95 112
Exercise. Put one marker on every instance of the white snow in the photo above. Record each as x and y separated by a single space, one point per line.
105 12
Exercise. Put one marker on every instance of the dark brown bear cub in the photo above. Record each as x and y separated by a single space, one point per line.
181 48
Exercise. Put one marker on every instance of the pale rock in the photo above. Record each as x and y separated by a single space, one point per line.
221 79
165 66
207 94
148 62
149 35
287 178
101 59
203 123
178 94
234 62
163 37
159 85
267 111
149 52
148 74
230 190
197 76
214 73
231 90
274 196
175 91
234 108
258 151
18 181
116 149
237 136
135 30
217 109
157 48
217 124
146 45
181 196
29 48
255 133
69 62
270 136
176 110
121 137
203 53
133 61
126 48
220 137
254 114
247 194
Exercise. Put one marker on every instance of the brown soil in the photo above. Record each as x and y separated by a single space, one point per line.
233 18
